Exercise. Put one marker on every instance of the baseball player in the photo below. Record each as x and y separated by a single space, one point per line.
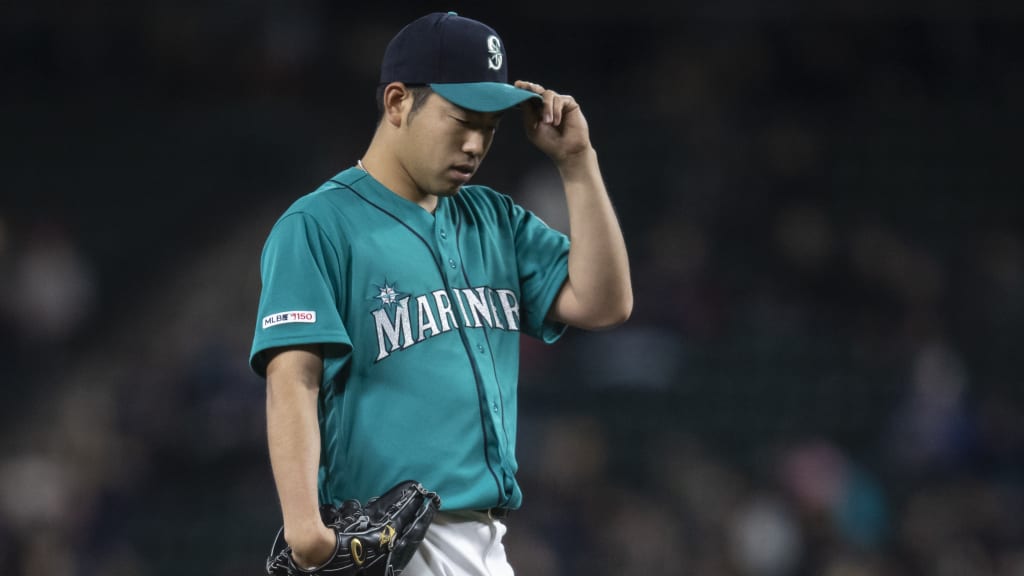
393 298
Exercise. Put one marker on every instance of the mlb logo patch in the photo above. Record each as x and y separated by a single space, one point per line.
303 316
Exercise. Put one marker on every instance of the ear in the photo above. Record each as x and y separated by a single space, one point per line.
397 100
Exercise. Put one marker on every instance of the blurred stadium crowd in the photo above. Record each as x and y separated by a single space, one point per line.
823 374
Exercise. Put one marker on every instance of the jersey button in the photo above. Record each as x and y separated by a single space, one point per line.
494 406
444 235
480 347
451 263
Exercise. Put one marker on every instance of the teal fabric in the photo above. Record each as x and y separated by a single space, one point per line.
421 316
483 96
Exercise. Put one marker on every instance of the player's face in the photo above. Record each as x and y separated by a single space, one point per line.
446 145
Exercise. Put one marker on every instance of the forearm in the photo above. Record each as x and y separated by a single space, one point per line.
294 445
599 289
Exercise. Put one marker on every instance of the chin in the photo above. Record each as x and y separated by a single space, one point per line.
448 191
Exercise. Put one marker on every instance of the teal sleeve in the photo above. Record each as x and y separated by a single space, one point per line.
542 255
299 271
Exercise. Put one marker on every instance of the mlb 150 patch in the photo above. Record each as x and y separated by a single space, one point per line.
304 316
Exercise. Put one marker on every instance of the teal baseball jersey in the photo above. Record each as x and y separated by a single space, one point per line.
420 317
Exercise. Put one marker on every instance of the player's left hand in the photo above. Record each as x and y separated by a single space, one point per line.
555 124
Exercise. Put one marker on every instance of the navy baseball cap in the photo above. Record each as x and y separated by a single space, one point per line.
461 59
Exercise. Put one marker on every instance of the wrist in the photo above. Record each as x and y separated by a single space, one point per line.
301 537
581 173
313 548
581 162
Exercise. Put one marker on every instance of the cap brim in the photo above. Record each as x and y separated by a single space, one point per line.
483 96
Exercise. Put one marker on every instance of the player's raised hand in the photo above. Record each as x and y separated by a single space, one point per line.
555 124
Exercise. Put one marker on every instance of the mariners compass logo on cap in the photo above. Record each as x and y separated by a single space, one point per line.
461 59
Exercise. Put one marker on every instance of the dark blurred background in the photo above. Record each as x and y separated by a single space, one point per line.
823 374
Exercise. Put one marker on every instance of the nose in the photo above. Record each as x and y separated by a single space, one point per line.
475 142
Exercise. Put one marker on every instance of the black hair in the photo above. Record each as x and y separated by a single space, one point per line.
419 92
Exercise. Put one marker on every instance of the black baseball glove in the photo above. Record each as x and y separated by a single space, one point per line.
377 539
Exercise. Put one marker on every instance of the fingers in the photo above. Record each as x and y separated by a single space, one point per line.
554 106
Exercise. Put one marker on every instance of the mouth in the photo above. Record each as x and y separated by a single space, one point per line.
462 172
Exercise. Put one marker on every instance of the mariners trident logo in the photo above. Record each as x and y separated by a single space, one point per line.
494 48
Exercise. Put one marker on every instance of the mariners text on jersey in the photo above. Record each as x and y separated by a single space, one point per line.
435 313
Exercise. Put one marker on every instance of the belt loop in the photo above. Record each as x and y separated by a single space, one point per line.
495 512
498 513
